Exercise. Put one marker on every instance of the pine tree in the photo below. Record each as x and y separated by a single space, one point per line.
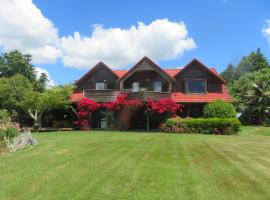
258 60
228 73
253 62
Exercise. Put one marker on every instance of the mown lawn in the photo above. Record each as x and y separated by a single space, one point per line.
121 165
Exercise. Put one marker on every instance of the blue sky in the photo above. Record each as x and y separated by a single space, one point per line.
222 31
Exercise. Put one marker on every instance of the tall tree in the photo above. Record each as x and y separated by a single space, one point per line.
13 91
41 82
258 60
252 92
228 73
253 62
243 67
14 62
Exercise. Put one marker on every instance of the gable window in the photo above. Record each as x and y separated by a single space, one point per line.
135 86
157 86
195 85
101 86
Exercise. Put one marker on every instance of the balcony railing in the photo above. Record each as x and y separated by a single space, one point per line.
107 95
144 95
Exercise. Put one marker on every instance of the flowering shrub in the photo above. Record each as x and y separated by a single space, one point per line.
122 102
21 141
84 108
165 105
8 129
124 108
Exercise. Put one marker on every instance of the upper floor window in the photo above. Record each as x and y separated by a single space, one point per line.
157 86
195 85
135 86
101 86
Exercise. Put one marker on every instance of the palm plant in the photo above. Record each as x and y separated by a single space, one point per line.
258 97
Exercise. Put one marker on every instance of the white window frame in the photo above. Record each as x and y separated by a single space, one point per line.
104 84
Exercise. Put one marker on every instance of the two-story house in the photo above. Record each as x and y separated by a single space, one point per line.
193 85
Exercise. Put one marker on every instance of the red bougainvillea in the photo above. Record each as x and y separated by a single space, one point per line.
84 108
165 105
123 108
122 102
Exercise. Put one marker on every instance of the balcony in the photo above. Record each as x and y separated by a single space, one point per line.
144 95
107 95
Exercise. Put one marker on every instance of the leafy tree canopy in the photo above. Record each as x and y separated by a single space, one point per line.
252 92
228 74
54 98
253 62
13 91
14 62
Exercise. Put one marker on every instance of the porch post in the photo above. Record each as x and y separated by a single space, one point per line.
121 86
170 86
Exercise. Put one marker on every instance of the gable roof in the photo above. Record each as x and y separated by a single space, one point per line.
152 63
210 70
169 73
172 72
91 71
120 73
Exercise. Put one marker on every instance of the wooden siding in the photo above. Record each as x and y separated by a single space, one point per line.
146 78
101 75
144 95
145 73
101 95
196 71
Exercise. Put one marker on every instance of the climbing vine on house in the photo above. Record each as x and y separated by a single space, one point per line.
124 109
165 108
84 108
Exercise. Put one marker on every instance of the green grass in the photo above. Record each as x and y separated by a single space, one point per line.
119 165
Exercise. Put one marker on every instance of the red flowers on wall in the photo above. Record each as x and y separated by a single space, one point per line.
123 108
165 105
84 108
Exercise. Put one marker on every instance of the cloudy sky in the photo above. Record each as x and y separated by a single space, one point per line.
66 38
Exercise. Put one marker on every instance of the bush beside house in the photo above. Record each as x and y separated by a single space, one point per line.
219 109
220 126
219 118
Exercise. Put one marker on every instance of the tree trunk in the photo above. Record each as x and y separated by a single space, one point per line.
36 118
260 115
249 115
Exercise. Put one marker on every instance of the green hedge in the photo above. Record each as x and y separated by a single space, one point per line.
221 126
219 109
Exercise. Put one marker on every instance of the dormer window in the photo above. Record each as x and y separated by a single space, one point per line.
101 86
195 85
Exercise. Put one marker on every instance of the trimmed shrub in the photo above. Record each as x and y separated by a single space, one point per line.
219 109
220 126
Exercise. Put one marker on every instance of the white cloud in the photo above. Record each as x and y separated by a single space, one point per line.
23 27
160 40
266 31
39 71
